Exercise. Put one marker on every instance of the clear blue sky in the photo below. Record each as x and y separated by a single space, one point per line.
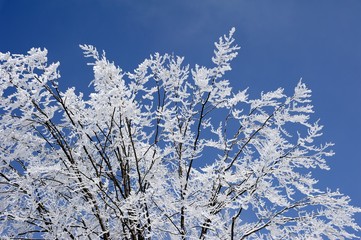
281 42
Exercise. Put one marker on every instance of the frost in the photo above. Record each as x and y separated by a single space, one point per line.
165 151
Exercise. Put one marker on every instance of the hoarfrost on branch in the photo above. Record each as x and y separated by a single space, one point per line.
165 152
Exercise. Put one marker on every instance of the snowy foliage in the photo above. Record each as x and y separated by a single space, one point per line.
164 152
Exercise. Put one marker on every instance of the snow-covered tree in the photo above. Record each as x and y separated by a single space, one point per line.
163 152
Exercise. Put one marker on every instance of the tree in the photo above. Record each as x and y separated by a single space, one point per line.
164 152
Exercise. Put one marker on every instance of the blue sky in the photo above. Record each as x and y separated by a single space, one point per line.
281 41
